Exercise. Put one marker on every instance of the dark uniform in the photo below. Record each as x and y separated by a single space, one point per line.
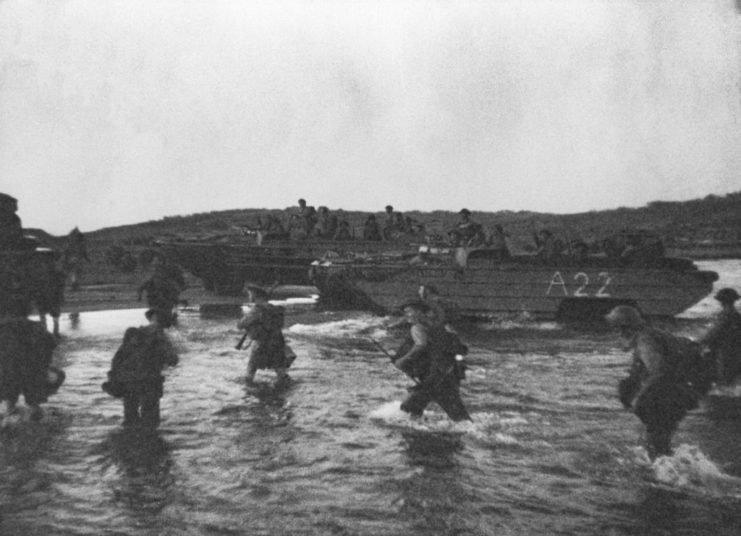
26 350
163 290
371 229
263 323
549 248
428 356
343 231
468 233
724 338
74 255
48 291
136 372
657 389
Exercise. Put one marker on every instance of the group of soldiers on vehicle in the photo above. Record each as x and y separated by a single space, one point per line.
304 221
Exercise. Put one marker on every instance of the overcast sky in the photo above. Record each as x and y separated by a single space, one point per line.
115 112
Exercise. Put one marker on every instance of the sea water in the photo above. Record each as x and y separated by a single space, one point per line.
550 449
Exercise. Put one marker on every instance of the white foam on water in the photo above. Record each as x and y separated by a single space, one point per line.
353 326
727 390
689 467
432 421
519 321
492 428
390 411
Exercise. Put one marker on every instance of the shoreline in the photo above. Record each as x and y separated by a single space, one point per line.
114 296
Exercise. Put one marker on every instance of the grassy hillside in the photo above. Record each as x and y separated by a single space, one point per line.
710 218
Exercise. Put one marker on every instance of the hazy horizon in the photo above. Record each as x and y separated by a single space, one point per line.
121 112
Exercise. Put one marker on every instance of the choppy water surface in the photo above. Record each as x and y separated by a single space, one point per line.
550 450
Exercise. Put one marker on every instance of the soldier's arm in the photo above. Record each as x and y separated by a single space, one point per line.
651 354
419 337
248 319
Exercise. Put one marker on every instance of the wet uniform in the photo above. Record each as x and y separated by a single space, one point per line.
724 341
136 369
660 397
26 350
434 368
263 324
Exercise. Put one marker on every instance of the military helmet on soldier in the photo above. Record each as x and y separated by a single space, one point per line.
727 295
625 316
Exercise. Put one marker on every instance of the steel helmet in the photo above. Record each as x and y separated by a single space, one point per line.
625 315
727 295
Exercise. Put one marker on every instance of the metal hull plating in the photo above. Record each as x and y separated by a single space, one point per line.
489 287
225 267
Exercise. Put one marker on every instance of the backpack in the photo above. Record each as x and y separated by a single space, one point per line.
133 360
454 351
694 367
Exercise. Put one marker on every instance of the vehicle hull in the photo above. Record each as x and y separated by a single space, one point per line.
489 287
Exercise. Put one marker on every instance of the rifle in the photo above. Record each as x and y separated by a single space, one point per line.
240 344
378 345
393 358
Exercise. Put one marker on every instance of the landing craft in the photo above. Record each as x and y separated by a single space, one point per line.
375 276
482 285
226 263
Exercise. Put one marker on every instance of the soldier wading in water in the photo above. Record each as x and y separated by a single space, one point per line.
26 348
668 375
723 340
263 324
136 371
428 356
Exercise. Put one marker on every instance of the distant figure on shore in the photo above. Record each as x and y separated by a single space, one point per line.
163 289
47 292
723 340
75 253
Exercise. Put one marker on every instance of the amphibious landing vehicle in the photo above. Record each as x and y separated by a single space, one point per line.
483 283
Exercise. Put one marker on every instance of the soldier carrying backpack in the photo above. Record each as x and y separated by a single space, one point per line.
263 324
666 379
136 371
